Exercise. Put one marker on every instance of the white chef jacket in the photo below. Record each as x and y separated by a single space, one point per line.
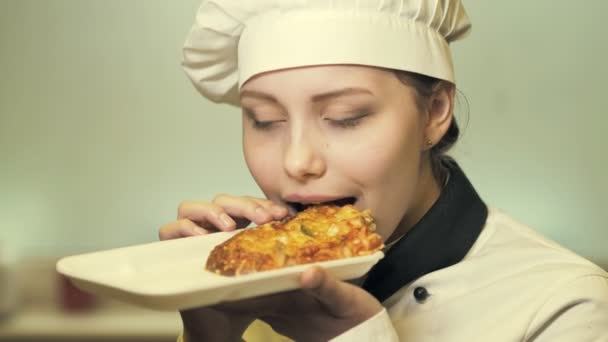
513 285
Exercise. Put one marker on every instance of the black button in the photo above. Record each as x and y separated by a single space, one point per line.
421 294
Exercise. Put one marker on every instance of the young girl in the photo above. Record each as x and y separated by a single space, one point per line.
354 100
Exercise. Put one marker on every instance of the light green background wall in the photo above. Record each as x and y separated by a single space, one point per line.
101 134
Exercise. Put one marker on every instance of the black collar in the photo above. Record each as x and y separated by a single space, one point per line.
440 239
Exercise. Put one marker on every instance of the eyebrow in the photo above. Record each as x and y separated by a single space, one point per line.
315 99
340 92
258 95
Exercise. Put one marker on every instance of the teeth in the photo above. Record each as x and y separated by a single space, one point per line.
339 202
343 201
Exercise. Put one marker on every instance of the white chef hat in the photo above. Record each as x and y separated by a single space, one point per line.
233 40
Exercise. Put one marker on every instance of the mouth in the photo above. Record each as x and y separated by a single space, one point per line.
340 202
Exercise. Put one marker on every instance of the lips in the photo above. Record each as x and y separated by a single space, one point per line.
302 203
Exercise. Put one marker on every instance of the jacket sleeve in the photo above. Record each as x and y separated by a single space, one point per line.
378 329
577 311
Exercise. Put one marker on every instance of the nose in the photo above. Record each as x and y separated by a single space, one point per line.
304 159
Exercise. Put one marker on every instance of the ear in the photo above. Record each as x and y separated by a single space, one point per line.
439 115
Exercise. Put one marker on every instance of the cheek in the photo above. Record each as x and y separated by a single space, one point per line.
380 153
263 162
386 167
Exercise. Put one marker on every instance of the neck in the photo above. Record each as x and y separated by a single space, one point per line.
427 192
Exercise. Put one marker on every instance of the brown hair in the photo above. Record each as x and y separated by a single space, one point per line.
425 87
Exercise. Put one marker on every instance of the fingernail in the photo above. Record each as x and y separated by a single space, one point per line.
312 278
199 231
279 210
226 220
317 278
261 213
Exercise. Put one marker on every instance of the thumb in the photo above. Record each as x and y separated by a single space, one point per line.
340 299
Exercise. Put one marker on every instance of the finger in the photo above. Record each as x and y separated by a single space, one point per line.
276 210
340 299
245 207
258 305
268 305
179 229
209 215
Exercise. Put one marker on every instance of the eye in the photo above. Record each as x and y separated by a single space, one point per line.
265 125
262 125
346 123
349 122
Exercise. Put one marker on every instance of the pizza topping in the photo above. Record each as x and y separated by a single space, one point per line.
307 231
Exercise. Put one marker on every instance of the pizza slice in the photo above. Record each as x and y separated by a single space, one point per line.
318 233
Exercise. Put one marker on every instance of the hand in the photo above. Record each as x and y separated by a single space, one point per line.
224 213
324 308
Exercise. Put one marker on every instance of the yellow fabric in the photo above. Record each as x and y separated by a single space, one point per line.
258 331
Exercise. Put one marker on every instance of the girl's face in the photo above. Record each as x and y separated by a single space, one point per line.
352 133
